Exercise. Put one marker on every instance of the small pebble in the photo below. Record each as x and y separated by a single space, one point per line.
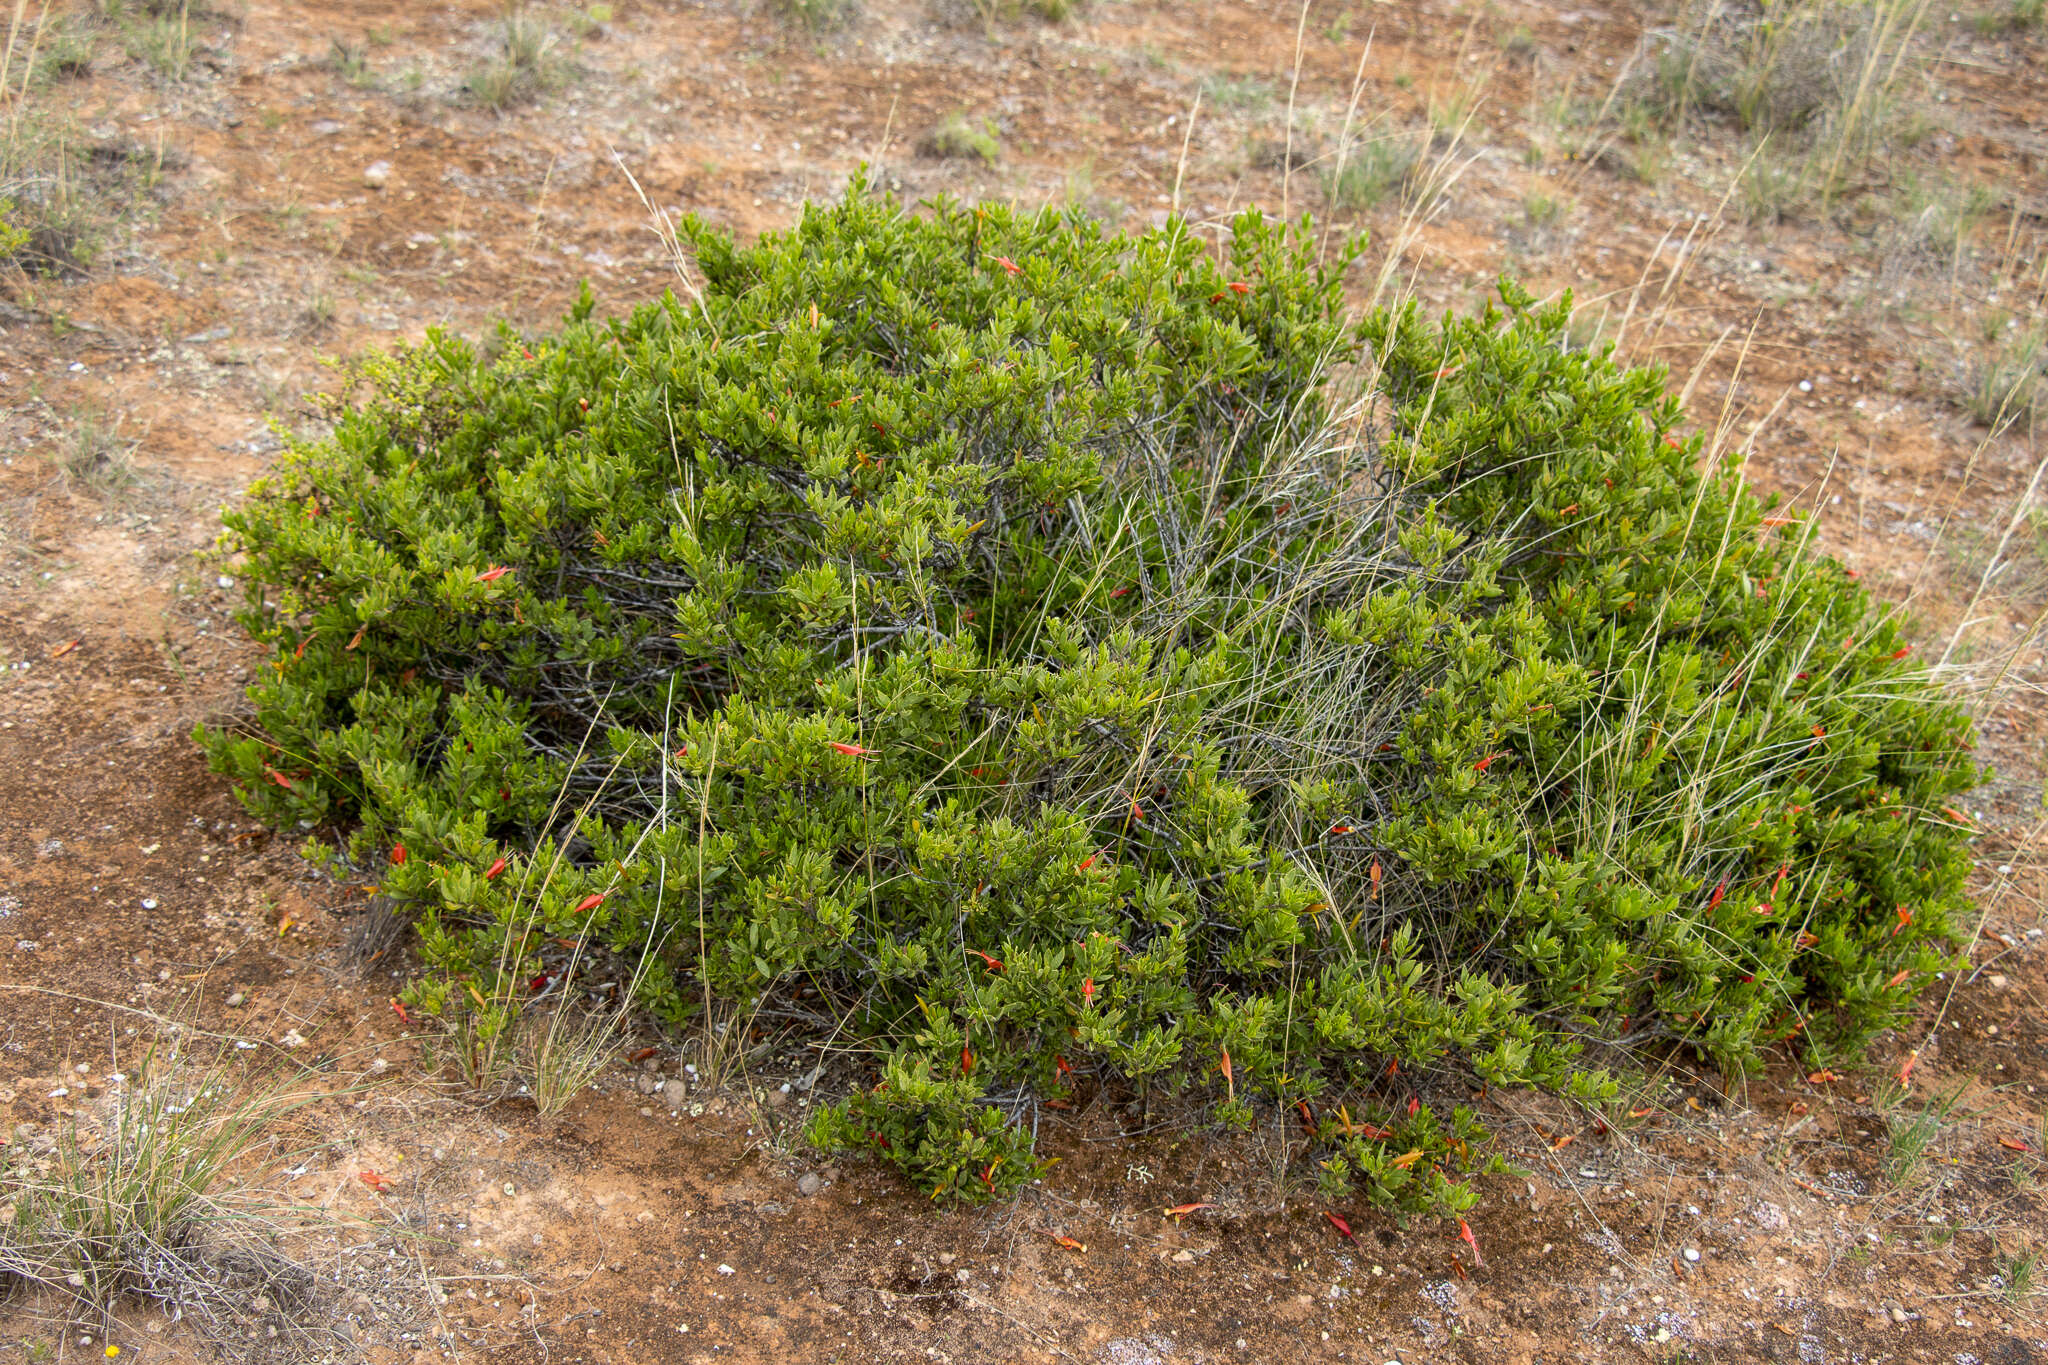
1692 1254
237 1000
377 174
810 1184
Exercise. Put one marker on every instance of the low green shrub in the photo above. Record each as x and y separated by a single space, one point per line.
12 238
1058 659
818 16
1000 11
966 139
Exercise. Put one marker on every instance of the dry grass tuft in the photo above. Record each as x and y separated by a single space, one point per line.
529 63
143 1197
95 454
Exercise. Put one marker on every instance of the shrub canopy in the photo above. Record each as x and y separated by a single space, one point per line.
991 640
